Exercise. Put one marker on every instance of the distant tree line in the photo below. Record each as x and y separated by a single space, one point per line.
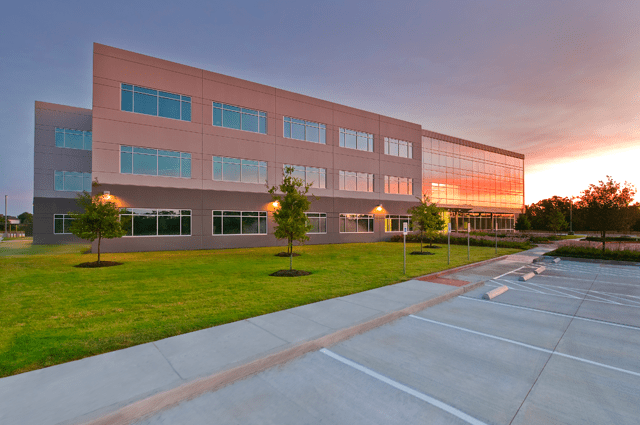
604 207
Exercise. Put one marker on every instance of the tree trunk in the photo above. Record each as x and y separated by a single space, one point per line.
420 242
604 235
290 248
99 239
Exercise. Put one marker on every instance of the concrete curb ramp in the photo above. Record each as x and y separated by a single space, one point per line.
170 398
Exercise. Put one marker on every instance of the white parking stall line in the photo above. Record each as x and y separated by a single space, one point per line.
432 401
526 287
511 271
533 347
553 313
554 290
588 294
608 294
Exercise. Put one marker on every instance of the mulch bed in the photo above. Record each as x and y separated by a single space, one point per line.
421 253
284 254
290 273
443 281
94 264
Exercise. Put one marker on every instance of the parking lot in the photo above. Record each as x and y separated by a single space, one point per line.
561 348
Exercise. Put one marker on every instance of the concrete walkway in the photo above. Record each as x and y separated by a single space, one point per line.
120 386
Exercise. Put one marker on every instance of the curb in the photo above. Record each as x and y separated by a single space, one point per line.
464 267
188 391
600 261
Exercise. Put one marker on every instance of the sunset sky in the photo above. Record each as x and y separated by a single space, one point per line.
556 81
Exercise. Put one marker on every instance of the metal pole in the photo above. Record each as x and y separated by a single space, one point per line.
469 241
449 244
6 220
571 217
404 251
496 237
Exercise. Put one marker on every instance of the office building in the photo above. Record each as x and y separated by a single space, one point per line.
188 155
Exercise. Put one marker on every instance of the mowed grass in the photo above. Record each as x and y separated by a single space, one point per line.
52 312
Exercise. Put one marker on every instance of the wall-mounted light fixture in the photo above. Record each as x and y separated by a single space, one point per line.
106 195
275 204
379 208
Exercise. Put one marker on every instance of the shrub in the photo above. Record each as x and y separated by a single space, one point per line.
596 253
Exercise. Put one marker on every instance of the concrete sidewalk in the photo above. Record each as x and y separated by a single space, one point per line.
96 387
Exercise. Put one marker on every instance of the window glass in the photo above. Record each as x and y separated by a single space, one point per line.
317 177
230 116
73 139
150 222
318 221
356 223
356 140
152 102
239 222
152 162
62 224
239 170
169 108
304 130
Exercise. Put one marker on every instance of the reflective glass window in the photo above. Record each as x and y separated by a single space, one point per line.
71 181
356 223
73 139
153 162
318 221
361 182
239 222
152 222
238 118
356 140
153 102
239 170
62 224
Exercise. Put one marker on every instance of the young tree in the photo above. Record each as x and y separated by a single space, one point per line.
523 223
427 218
607 206
292 222
100 219
556 221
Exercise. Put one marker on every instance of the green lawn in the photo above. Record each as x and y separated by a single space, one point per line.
52 312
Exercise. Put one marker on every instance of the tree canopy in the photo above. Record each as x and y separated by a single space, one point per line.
100 218
607 206
292 223
426 217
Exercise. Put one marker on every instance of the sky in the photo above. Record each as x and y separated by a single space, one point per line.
558 81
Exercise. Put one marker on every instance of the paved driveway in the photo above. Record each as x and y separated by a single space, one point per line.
563 347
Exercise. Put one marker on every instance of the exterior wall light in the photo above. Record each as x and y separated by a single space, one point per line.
106 195
275 204
379 208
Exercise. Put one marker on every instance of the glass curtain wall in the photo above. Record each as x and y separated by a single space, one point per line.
454 174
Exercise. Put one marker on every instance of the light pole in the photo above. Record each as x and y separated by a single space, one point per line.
6 220
571 216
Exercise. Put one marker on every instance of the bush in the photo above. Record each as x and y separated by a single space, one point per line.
460 240
612 239
595 253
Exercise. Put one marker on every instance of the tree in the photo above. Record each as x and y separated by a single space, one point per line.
26 223
544 211
100 219
292 222
427 218
523 223
556 221
606 206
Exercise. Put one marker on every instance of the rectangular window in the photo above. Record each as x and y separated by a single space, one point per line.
318 221
230 116
358 182
71 181
356 223
395 223
356 140
239 222
73 139
399 185
239 170
155 102
62 224
154 162
317 177
305 130
160 222
398 148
